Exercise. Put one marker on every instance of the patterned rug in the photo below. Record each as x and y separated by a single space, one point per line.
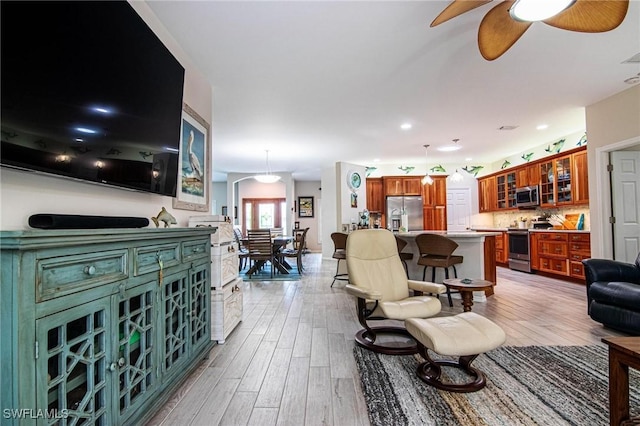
264 274
532 385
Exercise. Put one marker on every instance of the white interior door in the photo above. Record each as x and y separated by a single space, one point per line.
625 195
458 209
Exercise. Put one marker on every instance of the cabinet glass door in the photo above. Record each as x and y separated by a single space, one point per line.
547 188
563 173
175 308
511 190
501 184
200 302
72 366
136 363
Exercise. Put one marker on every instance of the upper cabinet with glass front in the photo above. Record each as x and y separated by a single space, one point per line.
556 181
563 180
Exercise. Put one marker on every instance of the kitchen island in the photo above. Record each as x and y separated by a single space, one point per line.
477 248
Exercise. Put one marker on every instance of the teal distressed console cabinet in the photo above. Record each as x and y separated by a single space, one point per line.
97 327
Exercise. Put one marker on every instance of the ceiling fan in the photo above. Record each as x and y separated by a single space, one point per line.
505 23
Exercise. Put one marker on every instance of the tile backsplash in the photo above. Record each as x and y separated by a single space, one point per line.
507 219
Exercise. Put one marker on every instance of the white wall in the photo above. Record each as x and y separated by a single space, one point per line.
612 124
346 213
23 194
218 197
311 189
329 220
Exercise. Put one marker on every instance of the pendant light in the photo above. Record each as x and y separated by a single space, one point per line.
456 176
267 177
426 180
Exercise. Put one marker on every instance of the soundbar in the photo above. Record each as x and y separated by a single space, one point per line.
73 221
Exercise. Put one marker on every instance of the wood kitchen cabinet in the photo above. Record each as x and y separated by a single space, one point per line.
527 175
563 180
501 246
487 194
506 191
434 198
580 189
579 249
553 253
560 253
402 185
375 195
556 176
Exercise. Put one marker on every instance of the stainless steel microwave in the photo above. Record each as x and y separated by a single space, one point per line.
527 196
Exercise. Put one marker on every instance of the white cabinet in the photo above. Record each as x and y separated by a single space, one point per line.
226 289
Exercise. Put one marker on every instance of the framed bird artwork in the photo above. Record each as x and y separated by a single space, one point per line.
194 171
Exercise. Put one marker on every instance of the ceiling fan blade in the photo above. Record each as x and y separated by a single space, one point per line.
589 16
498 31
456 8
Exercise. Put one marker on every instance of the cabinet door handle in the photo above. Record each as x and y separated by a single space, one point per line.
90 270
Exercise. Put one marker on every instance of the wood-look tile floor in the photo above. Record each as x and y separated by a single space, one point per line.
290 361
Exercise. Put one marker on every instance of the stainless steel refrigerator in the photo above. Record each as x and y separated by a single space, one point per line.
411 205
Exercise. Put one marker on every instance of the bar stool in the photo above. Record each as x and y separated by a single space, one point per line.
340 253
403 256
436 252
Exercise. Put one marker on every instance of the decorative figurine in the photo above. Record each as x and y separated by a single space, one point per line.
164 216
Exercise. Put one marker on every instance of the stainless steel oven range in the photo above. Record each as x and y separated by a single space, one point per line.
519 251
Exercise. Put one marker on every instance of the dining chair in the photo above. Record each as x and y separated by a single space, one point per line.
298 250
243 252
260 246
436 251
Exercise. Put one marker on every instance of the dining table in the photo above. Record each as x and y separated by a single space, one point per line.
279 262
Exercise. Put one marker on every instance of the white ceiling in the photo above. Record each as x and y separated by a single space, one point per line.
320 82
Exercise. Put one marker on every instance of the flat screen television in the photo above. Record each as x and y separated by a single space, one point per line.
89 92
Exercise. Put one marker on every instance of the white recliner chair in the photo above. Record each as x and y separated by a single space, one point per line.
378 280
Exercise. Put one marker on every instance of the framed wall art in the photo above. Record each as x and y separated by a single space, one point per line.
305 206
194 171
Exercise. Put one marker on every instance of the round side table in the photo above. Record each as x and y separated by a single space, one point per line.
466 289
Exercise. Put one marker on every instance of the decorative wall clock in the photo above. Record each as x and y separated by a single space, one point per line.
354 180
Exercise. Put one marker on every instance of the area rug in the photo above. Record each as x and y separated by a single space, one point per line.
532 385
264 275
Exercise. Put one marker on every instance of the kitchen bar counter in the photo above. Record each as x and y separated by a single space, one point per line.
478 249
560 230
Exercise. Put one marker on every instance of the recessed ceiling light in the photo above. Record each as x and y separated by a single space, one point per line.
406 126
376 160
449 148
542 126
468 159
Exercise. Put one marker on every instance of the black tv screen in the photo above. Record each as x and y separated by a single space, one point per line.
89 92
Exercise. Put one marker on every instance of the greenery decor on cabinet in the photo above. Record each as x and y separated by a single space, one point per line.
100 326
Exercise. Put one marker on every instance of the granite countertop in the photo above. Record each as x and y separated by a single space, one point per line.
560 230
497 229
450 234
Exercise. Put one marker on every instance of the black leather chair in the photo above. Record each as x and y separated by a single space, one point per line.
613 293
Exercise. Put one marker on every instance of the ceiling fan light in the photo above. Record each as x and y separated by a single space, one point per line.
538 10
